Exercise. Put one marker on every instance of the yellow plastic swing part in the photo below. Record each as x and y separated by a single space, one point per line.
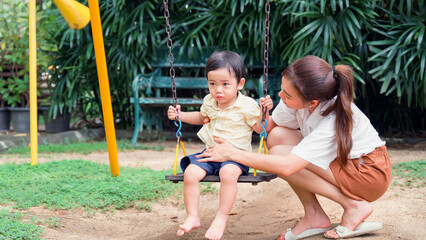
177 153
262 142
75 14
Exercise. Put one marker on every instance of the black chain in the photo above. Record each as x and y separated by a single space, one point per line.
171 57
266 55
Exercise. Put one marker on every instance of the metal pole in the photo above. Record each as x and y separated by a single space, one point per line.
33 81
101 65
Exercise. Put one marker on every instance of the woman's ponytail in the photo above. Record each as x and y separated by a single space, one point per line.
344 122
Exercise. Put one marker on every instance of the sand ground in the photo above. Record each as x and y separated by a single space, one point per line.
260 212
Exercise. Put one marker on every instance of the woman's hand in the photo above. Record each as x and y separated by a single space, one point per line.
221 152
173 112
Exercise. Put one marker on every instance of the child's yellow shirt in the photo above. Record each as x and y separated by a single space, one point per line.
234 124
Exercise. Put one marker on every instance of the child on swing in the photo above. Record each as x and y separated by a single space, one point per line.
228 114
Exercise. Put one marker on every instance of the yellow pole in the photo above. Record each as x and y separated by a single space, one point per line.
101 65
33 81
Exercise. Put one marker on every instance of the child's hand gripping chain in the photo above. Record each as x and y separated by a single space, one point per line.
173 112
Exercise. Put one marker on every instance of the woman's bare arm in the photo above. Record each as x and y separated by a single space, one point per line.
280 164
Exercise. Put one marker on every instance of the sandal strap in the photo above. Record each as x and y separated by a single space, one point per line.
288 235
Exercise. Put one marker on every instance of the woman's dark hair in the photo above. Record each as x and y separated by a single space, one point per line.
315 79
226 59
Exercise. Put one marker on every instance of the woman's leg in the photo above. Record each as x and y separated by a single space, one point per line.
315 217
283 136
228 191
314 180
280 141
191 192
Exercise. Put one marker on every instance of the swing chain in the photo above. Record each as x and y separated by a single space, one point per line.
171 58
169 45
266 55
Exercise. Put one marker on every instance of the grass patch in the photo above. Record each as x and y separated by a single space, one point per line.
414 173
83 148
69 184
12 226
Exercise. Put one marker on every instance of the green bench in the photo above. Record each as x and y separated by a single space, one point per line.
152 94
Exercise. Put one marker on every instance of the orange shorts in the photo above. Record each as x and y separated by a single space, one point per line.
364 178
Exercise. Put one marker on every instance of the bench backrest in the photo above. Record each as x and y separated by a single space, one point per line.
183 58
191 59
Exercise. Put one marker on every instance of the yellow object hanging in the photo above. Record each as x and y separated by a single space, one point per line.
177 154
262 142
75 14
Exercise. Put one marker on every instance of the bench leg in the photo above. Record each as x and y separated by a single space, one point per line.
152 117
137 119
147 117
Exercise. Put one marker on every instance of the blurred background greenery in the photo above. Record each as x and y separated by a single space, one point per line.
383 41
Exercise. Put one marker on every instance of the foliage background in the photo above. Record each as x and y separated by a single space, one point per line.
382 40
14 44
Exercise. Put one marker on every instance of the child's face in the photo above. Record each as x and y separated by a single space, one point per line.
290 96
223 86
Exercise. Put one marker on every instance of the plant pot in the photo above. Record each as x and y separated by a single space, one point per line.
20 119
60 124
4 119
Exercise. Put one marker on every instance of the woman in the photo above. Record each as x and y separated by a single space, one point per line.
320 143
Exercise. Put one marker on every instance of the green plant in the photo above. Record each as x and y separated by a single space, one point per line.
52 222
400 50
14 44
12 226
413 172
69 184
397 63
81 147
340 31
130 33
13 55
18 91
14 34
4 93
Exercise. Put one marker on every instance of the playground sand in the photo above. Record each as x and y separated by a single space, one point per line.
260 212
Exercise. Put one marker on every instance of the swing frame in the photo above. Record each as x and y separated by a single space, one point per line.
252 177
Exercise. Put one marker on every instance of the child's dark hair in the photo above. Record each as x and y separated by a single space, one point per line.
226 59
315 79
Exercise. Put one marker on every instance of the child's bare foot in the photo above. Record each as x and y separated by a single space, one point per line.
352 217
189 224
217 228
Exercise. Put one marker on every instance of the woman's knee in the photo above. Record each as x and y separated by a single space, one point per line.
230 173
284 136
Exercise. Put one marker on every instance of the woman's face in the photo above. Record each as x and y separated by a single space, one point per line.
290 96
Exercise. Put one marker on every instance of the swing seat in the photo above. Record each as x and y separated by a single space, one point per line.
254 180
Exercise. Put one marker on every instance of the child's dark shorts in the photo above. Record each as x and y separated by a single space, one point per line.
212 168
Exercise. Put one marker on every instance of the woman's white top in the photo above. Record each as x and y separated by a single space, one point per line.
319 145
